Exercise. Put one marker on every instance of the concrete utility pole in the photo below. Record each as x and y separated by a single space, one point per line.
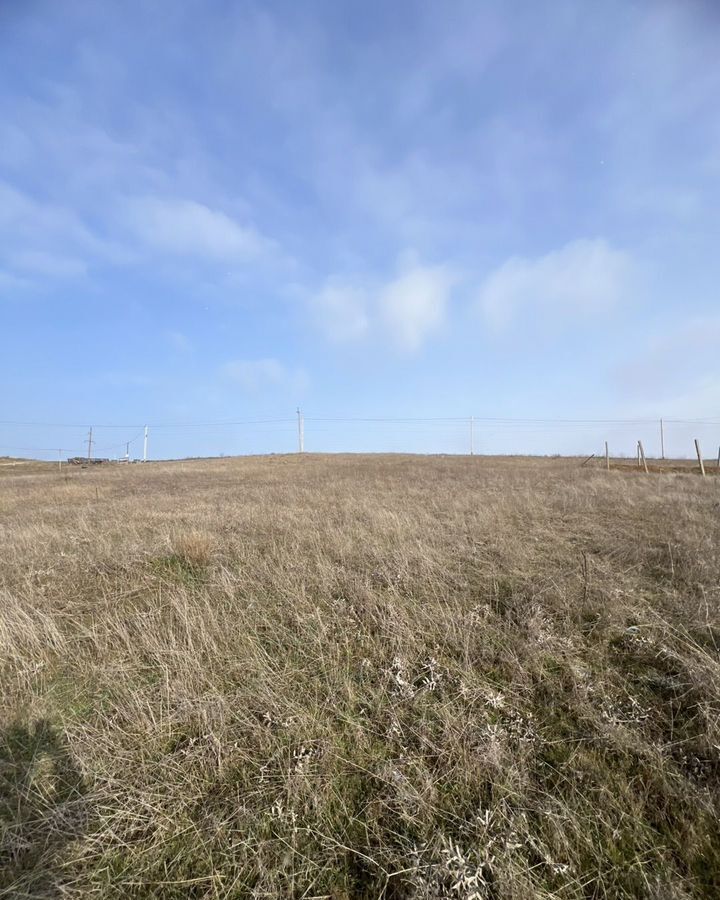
90 443
301 431
472 435
662 440
145 445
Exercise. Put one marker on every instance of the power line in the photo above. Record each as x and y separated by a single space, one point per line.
121 444
426 431
35 449
150 424
508 420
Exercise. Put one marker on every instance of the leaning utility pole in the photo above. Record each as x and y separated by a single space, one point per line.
89 442
301 431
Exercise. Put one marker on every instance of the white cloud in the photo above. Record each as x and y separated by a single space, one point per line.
696 397
127 379
11 285
584 276
413 306
52 265
407 309
186 227
254 375
682 361
673 374
179 341
701 398
44 240
342 310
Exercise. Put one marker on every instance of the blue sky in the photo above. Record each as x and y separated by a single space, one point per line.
220 211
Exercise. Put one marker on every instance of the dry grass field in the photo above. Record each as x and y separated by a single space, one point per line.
371 677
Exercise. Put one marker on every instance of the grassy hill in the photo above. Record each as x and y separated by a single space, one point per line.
388 676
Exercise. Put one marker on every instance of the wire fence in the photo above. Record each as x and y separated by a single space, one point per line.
669 438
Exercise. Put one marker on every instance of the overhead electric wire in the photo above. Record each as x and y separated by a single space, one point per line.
493 419
391 431
149 424
36 449
508 420
121 444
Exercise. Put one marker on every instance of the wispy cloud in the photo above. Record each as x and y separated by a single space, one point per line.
261 375
183 227
46 241
673 361
583 277
52 265
127 379
341 310
178 341
12 285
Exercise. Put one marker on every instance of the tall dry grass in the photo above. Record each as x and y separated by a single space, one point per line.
359 677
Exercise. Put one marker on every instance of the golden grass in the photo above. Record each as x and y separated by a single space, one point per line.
359 677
